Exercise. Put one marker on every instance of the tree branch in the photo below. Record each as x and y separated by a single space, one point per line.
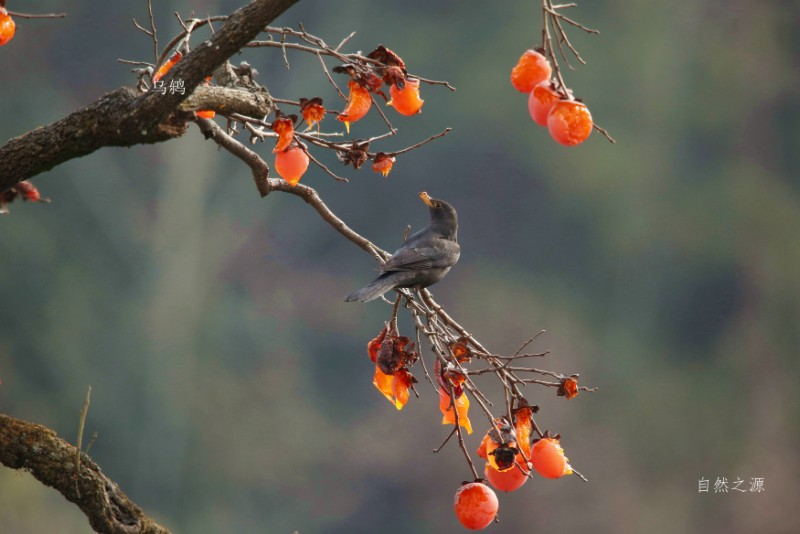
254 102
125 117
51 460
256 163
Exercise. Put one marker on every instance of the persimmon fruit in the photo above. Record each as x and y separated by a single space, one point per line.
569 122
358 104
548 459
510 480
541 100
475 505
7 27
291 164
406 101
531 70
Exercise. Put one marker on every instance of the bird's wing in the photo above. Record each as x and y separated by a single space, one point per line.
437 253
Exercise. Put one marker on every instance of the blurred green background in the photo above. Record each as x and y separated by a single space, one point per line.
231 388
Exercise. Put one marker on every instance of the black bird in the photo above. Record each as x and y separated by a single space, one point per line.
425 257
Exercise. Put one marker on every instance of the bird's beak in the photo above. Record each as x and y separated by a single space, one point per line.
426 199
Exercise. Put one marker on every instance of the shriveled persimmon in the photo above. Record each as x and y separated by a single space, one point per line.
384 383
523 427
499 445
403 381
449 415
291 164
358 104
502 456
29 191
283 125
548 458
375 343
569 122
312 110
460 350
476 505
383 163
163 69
406 101
531 69
568 387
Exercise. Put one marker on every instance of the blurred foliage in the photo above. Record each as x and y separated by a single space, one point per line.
231 389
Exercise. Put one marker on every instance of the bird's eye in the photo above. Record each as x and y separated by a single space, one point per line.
437 204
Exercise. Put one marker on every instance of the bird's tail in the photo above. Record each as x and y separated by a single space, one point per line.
375 289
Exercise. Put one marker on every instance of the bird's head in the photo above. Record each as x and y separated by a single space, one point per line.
443 216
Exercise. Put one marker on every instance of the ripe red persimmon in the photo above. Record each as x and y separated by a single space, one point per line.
291 164
548 459
541 101
569 122
510 480
7 27
406 101
476 505
531 70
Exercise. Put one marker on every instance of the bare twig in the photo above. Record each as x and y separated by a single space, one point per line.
153 32
37 16
257 165
326 169
417 145
450 435
459 434
552 20
81 425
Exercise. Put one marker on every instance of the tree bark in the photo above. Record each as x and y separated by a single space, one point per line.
53 462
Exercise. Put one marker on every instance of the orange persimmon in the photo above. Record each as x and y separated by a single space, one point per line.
548 459
406 101
7 27
531 70
569 122
174 58
291 164
509 480
475 505
358 104
462 409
